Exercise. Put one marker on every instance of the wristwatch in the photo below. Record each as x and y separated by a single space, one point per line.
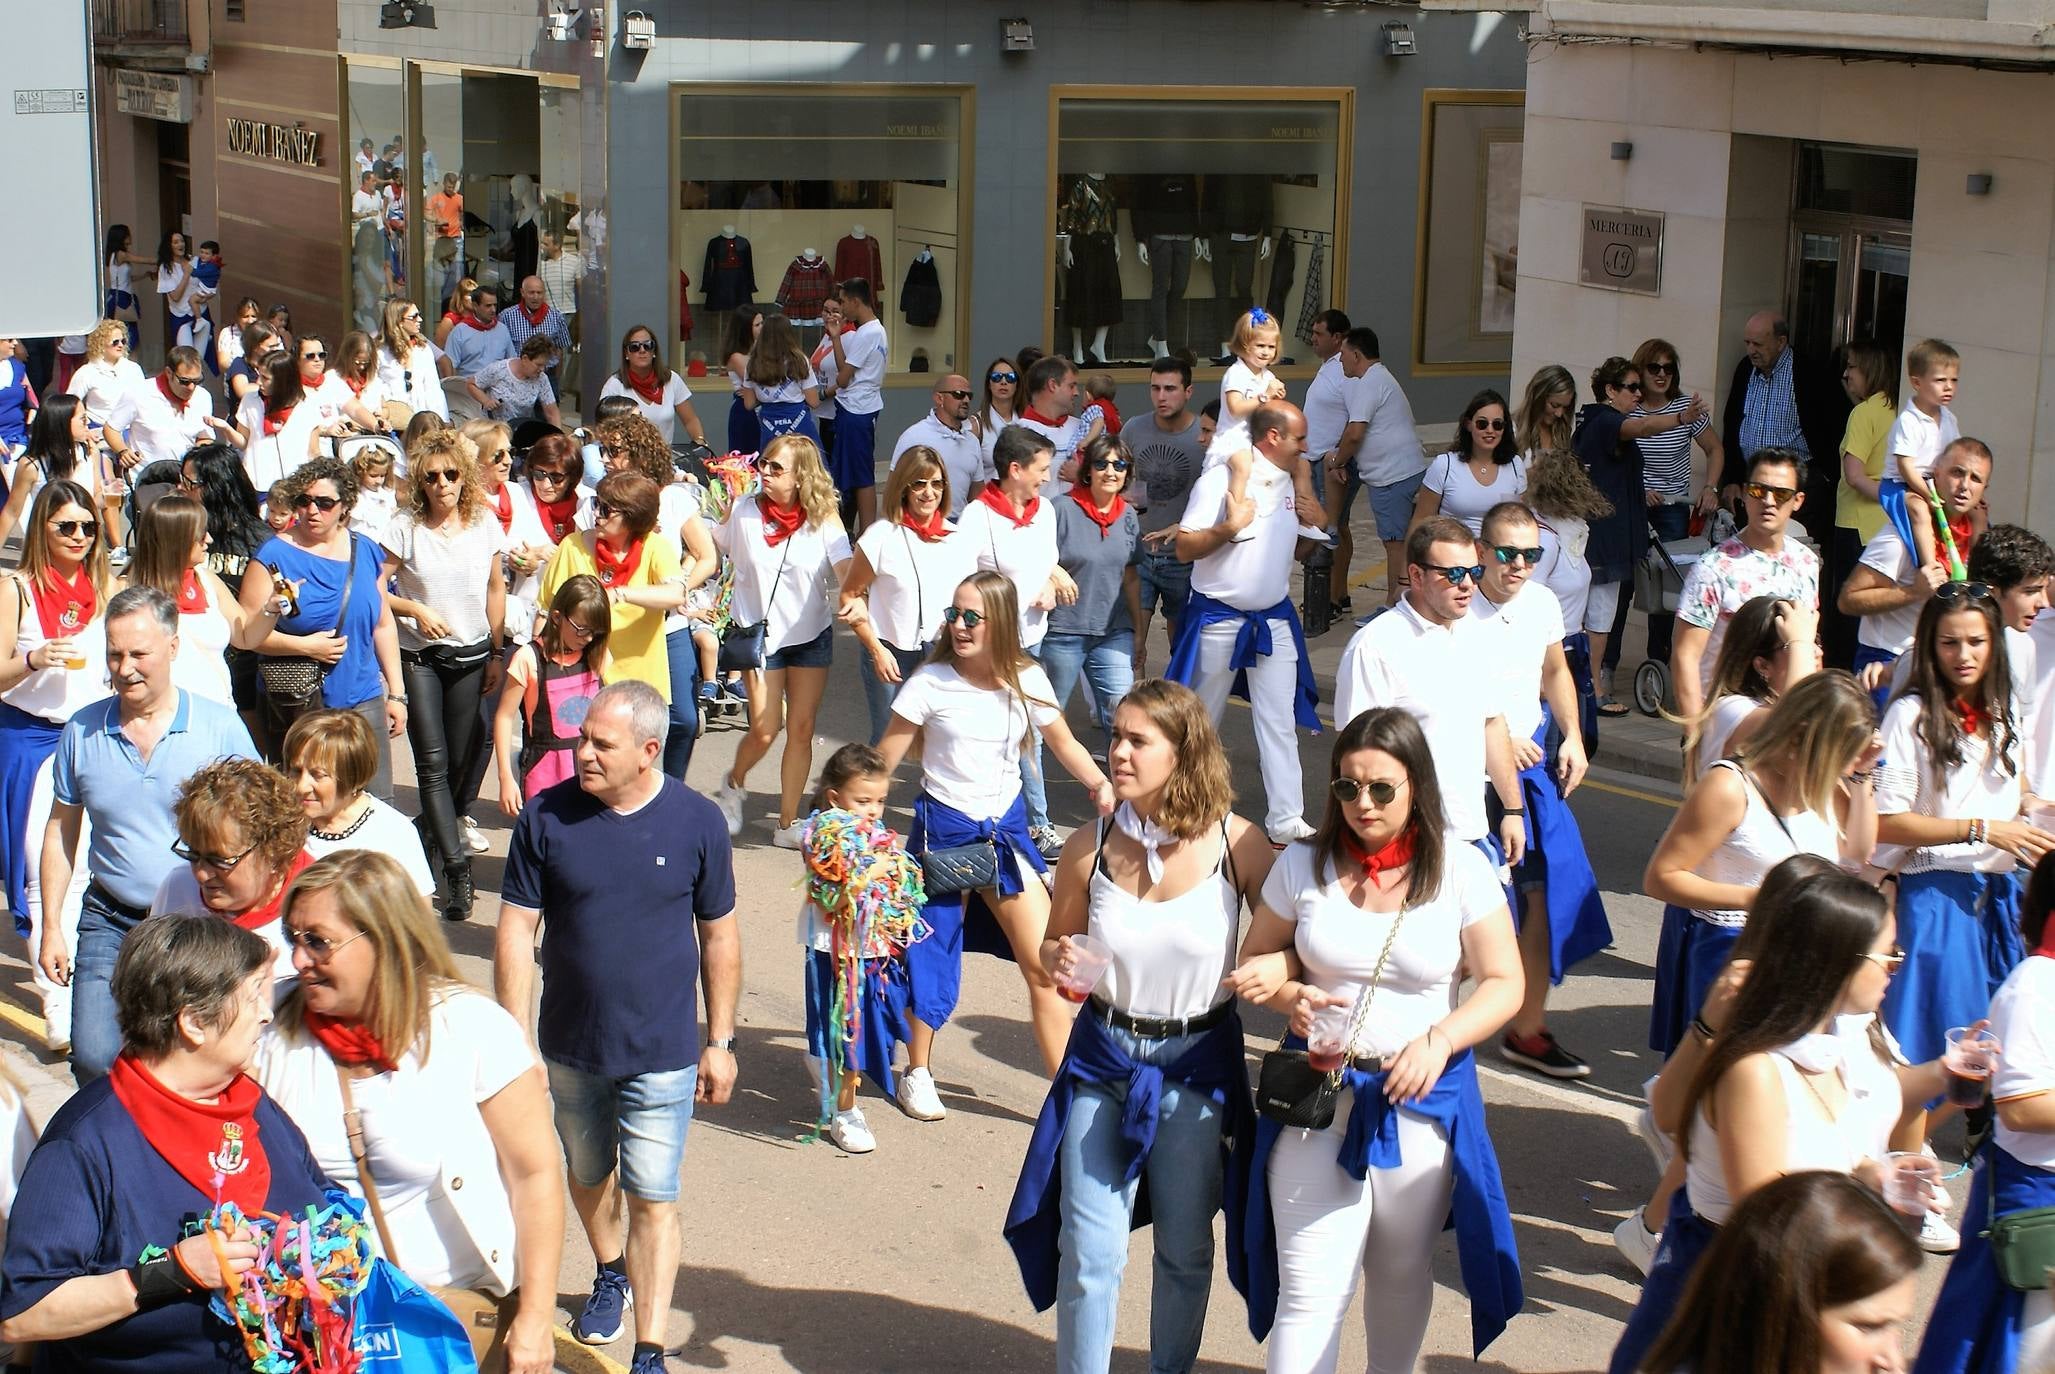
725 1042
400 697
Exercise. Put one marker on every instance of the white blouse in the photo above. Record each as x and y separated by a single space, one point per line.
785 586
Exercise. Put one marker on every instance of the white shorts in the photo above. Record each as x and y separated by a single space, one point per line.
1602 606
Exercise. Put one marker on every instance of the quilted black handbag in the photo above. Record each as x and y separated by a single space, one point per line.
1289 1090
959 868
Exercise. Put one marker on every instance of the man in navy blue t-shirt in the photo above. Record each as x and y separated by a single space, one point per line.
629 875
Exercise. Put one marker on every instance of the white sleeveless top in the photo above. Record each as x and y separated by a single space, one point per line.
202 663
1170 955
1760 842
58 693
1727 714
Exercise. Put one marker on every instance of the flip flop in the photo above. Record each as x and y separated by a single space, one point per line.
1608 707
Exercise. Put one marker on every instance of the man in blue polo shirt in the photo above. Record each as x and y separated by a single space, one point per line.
120 763
632 872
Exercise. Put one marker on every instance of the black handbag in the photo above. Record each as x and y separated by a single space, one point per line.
959 868
742 646
292 682
1289 1090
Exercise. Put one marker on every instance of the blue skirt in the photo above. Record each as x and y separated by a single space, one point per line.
1960 934
881 1019
1685 1240
1689 955
742 430
775 419
1974 1328
934 967
26 741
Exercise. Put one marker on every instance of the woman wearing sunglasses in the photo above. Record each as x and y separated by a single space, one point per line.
644 576
305 568
1099 543
406 363
1673 493
1001 407
53 655
243 837
901 577
660 395
1375 913
1482 468
1787 1068
281 425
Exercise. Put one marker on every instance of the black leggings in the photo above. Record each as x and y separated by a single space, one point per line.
443 725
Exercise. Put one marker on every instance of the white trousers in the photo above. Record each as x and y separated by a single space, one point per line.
1273 685
1330 1227
56 998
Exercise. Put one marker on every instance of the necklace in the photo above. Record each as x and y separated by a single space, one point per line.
1833 1117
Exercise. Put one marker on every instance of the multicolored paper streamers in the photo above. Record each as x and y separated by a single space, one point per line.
730 479
295 1307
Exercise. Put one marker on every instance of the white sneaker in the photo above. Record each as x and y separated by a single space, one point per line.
1937 1237
850 1133
729 798
1637 1242
1292 831
918 1098
474 838
787 836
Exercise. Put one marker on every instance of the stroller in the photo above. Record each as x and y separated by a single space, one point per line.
1658 587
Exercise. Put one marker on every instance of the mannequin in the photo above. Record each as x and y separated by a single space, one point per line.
1238 216
728 278
804 290
527 233
1086 221
1166 227
858 255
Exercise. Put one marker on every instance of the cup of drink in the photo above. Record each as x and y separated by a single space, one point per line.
1328 1044
1912 1182
74 659
1089 957
1968 1062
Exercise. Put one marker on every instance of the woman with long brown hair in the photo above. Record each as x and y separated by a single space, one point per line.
171 555
406 362
660 395
778 384
551 681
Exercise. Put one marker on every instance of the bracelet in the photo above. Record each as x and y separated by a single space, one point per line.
1704 1031
400 697
1858 778
1978 829
1513 810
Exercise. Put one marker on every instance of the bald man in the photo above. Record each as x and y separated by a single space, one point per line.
533 314
946 429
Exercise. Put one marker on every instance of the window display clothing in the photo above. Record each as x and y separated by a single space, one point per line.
1237 216
920 295
1091 287
859 257
804 291
729 277
1165 218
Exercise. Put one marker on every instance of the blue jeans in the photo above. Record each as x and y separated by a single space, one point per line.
1032 788
1184 1192
878 693
95 1031
1672 521
1107 662
684 731
635 1125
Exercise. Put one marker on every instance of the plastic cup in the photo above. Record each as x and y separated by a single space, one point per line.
1911 1182
1968 1062
1090 957
1328 1045
73 660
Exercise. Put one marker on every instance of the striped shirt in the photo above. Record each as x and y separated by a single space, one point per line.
1666 457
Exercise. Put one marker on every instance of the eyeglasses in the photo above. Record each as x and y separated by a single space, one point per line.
1506 553
583 632
73 529
1004 378
450 475
774 469
1346 790
1481 423
178 380
1109 464
549 475
213 861
927 484
319 947
642 346
971 619
1763 491
1891 962
317 356
955 395
309 501
1955 593
1457 576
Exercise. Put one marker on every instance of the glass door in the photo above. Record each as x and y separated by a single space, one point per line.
1849 280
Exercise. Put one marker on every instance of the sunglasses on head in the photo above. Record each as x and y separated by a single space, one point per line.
309 501
1506 553
1457 575
971 619
89 529
1008 378
642 346
1113 464
1763 491
1348 789
1955 593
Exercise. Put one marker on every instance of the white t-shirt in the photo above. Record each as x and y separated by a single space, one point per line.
1921 436
1971 791
863 348
1026 554
970 757
99 386
663 414
1339 943
178 894
269 458
1065 436
1563 568
1391 449
201 666
1519 635
2023 1019
1443 676
157 429
1465 498
385 831
1231 434
676 504
420 1121
1252 572
447 570
960 450
330 397
781 586
914 582
528 531
1890 631
413 380
787 391
1334 401
823 359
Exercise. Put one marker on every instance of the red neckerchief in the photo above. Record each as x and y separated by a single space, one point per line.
192 593
2046 949
1397 853
1039 418
557 516
1964 533
468 318
1972 717
536 317
779 522
347 1042
615 569
990 494
936 526
312 383
503 507
651 391
1112 415
164 390
65 606
212 1145
356 387
275 420
1082 494
258 917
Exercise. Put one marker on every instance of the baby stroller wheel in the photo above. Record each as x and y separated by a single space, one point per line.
1652 687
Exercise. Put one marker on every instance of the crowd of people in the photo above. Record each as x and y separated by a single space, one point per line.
218 626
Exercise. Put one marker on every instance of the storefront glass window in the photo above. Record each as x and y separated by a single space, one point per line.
782 192
1175 214
1469 234
378 213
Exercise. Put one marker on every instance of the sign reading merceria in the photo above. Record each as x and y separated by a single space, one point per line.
1621 250
294 143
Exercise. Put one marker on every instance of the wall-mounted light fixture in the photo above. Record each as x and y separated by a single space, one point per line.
1399 40
1979 184
1016 35
1622 151
405 14
638 31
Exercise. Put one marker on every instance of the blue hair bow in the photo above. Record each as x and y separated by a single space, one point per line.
1259 316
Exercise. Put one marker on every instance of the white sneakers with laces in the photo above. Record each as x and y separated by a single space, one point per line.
918 1098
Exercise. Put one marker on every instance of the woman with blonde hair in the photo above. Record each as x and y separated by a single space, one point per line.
171 555
445 557
107 375
977 702
406 364
1542 423
454 308
330 757
779 383
785 544
1770 644
419 1094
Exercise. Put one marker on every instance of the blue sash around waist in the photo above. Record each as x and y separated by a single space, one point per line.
1974 1328
1252 643
1577 925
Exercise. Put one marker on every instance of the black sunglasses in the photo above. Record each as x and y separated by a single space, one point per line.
184 381
70 528
642 346
1348 789
309 501
1482 423
971 619
317 356
213 861
958 395
602 511
1955 593
550 475
1506 553
1457 576
1116 464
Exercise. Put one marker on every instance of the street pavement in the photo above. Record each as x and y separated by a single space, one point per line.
800 1258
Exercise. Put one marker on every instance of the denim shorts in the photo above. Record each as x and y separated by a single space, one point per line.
635 1125
1164 579
1393 505
817 652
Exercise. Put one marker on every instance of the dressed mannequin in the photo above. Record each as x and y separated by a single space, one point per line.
805 288
1086 224
728 278
1165 220
858 255
527 233
1238 216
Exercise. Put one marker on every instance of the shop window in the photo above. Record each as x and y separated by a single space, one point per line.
375 124
1469 232
784 190
1175 211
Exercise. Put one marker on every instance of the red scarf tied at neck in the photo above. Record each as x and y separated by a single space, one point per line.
990 494
2046 949
192 593
1397 853
1104 519
468 318
312 381
780 522
558 516
648 385
348 1043
64 606
932 530
275 420
1972 717
503 507
258 917
1039 418
213 1145
178 402
536 317
615 568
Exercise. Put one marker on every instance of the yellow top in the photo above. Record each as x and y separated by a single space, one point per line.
636 647
1869 428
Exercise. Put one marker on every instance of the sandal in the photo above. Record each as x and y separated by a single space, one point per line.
1608 707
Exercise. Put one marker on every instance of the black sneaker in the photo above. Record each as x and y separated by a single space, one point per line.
1542 1054
1342 605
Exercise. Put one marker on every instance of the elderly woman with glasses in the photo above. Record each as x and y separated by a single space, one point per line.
329 758
243 837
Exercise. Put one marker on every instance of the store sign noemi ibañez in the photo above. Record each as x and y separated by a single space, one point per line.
1621 250
294 143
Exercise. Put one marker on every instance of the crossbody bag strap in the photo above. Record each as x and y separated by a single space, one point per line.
1768 805
353 1126
1362 1008
920 601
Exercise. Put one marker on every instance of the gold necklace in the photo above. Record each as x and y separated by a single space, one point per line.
1833 1117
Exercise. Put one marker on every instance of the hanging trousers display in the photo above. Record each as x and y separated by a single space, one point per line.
1281 275
1314 301
1170 272
1234 278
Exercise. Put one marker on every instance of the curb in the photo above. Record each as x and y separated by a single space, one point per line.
1641 758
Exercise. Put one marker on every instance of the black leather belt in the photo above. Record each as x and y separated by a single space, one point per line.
1161 1027
115 904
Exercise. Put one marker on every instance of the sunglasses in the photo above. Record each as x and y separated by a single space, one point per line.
956 395
1891 962
319 947
1763 491
1506 553
642 346
188 382
450 475
601 510
308 501
213 861
774 469
1664 368
1457 576
314 357
1479 422
1955 593
971 619
1634 387
927 484
1008 378
89 529
411 317
1346 790
549 475
1109 464
607 450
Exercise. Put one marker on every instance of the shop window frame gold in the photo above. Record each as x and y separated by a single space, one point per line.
1430 100
1342 98
966 181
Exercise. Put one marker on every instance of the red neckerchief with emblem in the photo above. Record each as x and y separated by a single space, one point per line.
213 1145
64 606
615 568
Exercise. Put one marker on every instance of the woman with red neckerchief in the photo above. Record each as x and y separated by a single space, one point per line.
659 394
356 367
544 507
1099 540
279 426
644 577
901 577
783 543
242 833
99 1267
53 652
